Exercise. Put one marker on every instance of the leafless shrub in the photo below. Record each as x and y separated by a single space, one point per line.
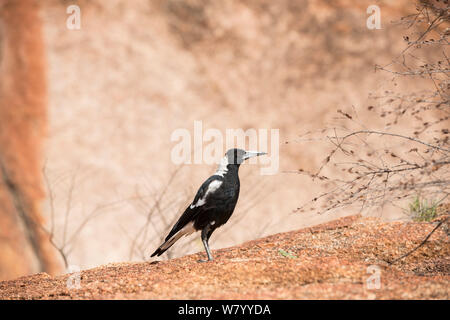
369 167
160 209
65 241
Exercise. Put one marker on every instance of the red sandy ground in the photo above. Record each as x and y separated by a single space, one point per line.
328 261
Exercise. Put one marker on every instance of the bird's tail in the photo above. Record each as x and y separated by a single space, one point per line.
169 242
166 245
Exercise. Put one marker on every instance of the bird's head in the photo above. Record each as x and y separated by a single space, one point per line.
233 159
237 156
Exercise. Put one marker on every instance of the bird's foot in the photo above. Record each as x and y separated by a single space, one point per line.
201 260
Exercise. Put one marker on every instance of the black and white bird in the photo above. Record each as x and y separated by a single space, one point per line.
213 204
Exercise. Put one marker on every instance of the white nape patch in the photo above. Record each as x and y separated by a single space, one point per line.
187 230
213 186
223 169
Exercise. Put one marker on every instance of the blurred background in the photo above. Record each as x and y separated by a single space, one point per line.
86 116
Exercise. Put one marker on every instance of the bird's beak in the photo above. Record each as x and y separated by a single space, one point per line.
251 154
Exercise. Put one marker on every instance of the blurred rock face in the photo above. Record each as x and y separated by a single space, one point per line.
136 71
24 246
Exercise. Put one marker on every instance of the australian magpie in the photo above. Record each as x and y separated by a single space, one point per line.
213 204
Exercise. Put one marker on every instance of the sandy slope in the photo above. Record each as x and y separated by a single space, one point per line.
327 261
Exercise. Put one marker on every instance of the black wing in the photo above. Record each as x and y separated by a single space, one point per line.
190 213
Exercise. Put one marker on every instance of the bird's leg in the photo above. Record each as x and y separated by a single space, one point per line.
206 233
208 252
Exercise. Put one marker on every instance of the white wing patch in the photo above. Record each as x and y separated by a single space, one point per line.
213 186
